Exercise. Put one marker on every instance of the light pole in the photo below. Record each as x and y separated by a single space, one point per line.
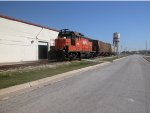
146 47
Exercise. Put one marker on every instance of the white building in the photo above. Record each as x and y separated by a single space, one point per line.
24 41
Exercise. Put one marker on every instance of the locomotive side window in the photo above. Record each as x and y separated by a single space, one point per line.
68 36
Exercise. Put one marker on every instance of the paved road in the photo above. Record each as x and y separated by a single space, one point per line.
120 87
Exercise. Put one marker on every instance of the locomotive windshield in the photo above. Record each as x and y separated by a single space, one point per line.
65 33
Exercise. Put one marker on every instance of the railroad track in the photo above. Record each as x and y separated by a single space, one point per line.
23 65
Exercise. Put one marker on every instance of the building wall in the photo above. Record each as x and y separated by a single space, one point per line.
19 41
47 36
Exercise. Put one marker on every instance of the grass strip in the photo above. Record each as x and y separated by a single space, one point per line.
109 59
8 79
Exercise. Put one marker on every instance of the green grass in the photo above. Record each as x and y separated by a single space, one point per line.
8 79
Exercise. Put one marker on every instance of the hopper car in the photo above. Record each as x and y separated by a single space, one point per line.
101 48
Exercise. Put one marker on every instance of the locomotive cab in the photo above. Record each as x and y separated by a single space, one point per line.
66 34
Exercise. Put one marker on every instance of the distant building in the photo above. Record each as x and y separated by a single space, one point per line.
24 41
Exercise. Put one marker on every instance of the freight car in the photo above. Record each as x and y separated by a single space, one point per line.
101 48
72 45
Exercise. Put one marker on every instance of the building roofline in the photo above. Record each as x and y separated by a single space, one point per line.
22 21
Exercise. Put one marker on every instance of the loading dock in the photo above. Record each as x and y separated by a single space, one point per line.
42 50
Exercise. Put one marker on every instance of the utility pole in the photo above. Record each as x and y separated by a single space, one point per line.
121 49
146 47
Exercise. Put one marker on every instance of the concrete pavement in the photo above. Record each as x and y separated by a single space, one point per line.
121 87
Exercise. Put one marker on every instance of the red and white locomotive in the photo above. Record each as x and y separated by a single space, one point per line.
73 45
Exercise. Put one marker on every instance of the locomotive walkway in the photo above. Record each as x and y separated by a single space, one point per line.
120 87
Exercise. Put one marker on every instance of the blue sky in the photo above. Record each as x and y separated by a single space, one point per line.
96 20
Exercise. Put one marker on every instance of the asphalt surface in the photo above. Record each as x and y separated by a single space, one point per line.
120 87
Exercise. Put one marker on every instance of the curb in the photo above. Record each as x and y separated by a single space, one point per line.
47 80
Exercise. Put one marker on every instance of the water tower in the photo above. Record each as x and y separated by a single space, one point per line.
116 40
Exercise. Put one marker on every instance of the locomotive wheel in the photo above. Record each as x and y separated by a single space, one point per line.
70 57
79 56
